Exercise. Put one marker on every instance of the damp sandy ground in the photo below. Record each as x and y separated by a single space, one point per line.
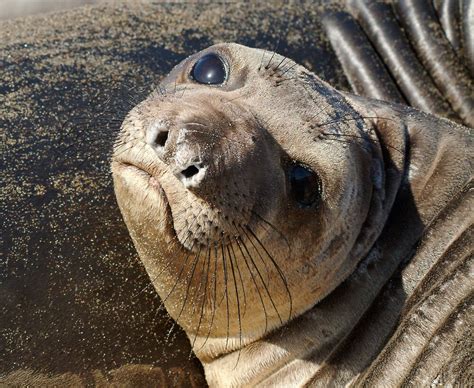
10 9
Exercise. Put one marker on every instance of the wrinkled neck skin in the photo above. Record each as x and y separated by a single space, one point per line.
410 156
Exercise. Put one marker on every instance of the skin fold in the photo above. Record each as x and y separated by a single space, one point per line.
413 52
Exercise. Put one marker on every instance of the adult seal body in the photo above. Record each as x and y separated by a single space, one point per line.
270 210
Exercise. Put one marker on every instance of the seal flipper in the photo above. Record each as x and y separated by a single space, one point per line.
380 24
436 53
364 69
449 12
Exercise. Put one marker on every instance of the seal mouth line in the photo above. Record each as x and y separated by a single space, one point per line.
144 174
134 167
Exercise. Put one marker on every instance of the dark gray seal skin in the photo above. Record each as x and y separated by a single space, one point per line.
67 299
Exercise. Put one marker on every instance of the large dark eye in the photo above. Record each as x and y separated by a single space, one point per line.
209 70
304 185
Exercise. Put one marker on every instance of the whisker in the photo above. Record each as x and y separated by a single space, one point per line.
163 300
236 98
263 282
280 81
260 256
261 61
195 262
289 68
274 228
197 293
271 58
179 277
239 242
281 63
204 296
170 259
236 297
226 294
351 118
241 280
356 137
277 44
277 267
214 299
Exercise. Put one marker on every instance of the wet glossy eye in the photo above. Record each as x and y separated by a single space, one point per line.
304 185
209 70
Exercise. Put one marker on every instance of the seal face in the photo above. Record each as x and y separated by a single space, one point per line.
242 209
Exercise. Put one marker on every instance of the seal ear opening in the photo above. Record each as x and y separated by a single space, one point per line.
305 186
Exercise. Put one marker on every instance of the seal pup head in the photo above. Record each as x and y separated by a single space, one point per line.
246 203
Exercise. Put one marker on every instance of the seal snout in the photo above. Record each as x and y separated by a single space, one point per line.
217 166
179 147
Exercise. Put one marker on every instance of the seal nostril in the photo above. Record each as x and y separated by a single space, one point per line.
161 138
190 171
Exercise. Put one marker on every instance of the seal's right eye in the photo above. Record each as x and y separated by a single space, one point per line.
210 70
305 186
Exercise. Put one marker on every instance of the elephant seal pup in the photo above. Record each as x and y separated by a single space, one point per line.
252 189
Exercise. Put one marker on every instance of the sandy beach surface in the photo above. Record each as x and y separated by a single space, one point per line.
10 9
